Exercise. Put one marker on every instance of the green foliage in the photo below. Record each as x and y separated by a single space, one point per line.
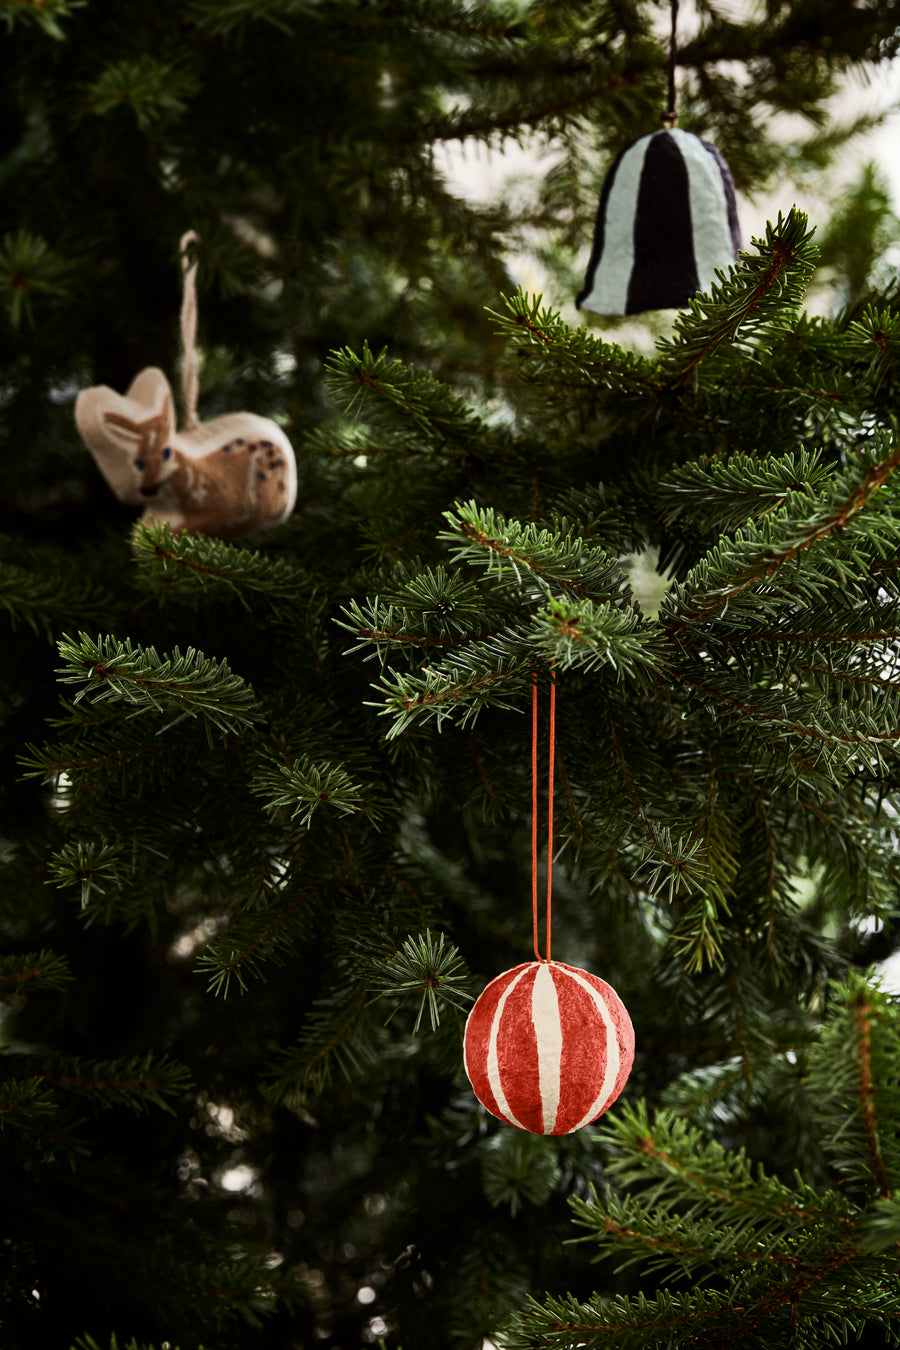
37 589
425 966
28 267
517 1169
88 1343
44 13
33 970
298 767
189 685
768 1260
136 1084
198 567
150 89
93 867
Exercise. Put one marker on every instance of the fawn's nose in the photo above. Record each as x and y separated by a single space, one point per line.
150 491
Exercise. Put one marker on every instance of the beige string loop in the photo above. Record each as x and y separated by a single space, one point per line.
189 359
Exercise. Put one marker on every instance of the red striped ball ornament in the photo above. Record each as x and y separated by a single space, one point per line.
548 1047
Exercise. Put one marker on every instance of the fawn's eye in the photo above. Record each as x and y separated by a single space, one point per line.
140 465
167 453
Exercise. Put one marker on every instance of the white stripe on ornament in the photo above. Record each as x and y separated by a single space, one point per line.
548 1030
609 288
612 1053
710 231
493 1064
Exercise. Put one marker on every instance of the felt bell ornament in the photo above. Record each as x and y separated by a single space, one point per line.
226 477
667 219
548 1047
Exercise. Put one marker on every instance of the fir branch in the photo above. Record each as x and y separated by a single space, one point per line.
483 125
432 607
425 966
764 548
197 566
811 720
95 866
33 970
539 559
454 690
136 1084
339 1035
857 1060
44 13
411 404
621 1321
268 932
724 492
517 1167
583 635
554 357
677 1165
189 685
309 785
41 588
765 288
678 867
23 1101
863 1010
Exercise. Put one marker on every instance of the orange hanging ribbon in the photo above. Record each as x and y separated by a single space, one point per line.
534 813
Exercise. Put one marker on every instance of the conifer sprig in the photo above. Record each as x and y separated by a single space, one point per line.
568 363
426 966
539 560
265 932
23 1103
341 1037
725 492
855 1087
38 588
842 531
459 688
308 785
188 685
33 970
410 406
97 867
758 296
136 1084
104 750
767 1259
584 635
196 565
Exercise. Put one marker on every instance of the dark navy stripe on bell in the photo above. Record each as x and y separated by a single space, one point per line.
600 228
665 269
730 198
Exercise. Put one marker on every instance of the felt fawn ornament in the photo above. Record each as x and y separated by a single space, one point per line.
548 1047
226 477
667 219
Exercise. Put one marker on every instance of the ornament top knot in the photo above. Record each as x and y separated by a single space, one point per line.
548 1047
667 219
226 477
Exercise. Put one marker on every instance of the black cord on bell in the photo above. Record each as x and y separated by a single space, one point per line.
670 117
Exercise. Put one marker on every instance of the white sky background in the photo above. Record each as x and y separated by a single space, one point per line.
481 174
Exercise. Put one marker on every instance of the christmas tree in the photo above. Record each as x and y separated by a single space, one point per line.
267 802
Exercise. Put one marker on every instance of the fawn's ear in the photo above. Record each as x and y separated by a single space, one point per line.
108 424
150 392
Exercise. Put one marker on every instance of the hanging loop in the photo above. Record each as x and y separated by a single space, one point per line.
669 118
534 814
189 359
